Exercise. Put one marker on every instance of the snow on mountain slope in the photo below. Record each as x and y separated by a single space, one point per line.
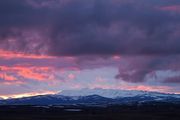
95 96
113 93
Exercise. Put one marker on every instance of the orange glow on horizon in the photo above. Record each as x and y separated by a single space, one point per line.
79 87
27 94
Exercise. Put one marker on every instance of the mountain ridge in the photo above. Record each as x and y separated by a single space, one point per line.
112 93
94 96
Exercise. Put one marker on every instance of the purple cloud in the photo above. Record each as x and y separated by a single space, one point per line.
86 27
136 68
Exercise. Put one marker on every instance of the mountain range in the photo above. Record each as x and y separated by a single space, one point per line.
95 97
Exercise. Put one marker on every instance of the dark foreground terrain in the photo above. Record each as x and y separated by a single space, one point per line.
80 112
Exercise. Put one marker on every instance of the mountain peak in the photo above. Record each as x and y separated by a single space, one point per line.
96 96
109 93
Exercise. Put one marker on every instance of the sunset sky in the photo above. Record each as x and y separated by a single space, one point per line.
50 45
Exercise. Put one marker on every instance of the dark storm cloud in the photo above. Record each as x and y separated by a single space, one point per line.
136 69
173 80
83 27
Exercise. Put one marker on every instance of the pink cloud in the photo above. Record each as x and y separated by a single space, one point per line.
11 55
173 8
71 76
27 72
7 77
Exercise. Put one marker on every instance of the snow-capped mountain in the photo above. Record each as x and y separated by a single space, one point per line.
95 96
113 93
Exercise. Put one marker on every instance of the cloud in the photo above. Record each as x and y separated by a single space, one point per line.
171 8
139 68
24 73
7 77
137 37
175 79
86 27
11 55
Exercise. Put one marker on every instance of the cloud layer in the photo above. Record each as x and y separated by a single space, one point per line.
60 43
84 27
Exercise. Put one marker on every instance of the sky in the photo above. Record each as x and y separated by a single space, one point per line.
51 45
